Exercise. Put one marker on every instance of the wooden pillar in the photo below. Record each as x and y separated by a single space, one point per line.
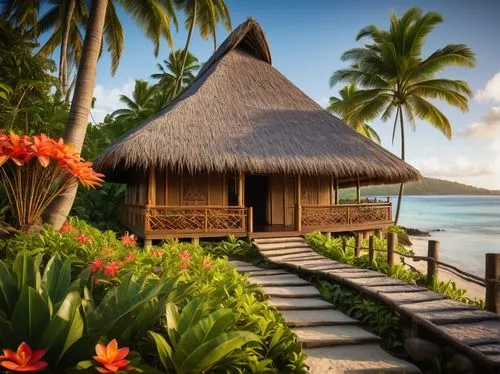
152 187
332 190
148 243
432 266
166 186
392 244
357 244
358 192
241 178
344 244
492 302
298 219
250 220
371 250
337 192
195 241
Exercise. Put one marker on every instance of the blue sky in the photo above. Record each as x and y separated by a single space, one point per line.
307 39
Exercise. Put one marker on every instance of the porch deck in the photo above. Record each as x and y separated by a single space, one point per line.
160 222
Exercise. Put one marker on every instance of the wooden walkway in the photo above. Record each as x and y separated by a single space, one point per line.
334 342
472 331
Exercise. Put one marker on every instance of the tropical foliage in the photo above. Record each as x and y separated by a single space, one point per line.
396 80
170 305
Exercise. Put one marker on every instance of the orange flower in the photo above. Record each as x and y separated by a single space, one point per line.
66 228
24 359
83 239
129 240
112 358
130 257
96 264
184 265
207 264
106 250
157 252
112 268
185 256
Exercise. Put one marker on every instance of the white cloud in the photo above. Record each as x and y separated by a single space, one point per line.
108 100
487 128
461 167
491 91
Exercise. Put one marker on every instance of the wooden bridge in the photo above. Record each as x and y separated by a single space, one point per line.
470 330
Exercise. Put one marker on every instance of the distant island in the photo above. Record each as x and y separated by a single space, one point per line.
428 186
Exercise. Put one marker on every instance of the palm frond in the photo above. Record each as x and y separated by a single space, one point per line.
430 113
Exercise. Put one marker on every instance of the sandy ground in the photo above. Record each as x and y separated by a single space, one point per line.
420 248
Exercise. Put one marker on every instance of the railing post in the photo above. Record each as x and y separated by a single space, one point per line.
392 244
371 250
299 218
344 244
205 221
357 244
146 218
250 220
492 302
348 217
432 266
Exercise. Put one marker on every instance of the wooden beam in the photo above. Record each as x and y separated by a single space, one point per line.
337 192
358 191
166 186
241 183
298 219
152 187
332 190
284 199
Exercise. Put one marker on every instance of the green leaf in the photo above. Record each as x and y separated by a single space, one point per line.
65 328
31 316
172 315
208 354
24 270
164 350
8 290
56 279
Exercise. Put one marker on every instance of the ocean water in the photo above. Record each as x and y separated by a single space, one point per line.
471 226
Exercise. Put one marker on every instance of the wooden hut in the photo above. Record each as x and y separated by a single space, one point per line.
243 151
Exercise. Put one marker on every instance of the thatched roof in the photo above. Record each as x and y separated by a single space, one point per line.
242 114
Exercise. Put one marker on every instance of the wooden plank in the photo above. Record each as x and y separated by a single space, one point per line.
278 280
380 281
258 273
489 349
353 275
434 306
297 256
457 316
403 298
296 292
399 288
287 251
476 333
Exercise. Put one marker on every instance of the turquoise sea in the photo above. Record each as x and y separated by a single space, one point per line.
471 226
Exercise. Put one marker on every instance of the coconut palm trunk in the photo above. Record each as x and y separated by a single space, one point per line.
401 186
76 127
63 58
186 49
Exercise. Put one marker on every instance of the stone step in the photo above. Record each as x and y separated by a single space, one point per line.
261 272
287 251
236 263
308 318
279 240
286 303
362 358
271 246
246 269
296 256
278 280
301 291
322 336
403 298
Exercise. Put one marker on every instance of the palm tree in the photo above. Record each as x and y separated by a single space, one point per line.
171 71
337 106
139 106
154 17
396 79
206 14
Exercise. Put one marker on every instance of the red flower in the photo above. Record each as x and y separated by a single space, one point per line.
83 239
157 252
97 264
207 264
24 359
112 358
66 228
106 250
129 240
185 256
184 265
130 257
112 268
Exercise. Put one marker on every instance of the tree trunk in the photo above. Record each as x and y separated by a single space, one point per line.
63 58
74 133
401 187
178 84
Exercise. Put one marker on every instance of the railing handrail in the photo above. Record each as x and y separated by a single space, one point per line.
345 205
193 207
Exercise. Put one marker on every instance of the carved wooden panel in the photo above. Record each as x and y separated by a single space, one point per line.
306 192
194 189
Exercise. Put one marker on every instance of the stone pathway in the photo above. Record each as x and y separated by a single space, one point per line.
472 331
334 342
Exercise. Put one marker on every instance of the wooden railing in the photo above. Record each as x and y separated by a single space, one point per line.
196 219
325 216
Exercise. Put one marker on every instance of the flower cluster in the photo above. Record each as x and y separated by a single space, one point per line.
128 240
21 149
110 269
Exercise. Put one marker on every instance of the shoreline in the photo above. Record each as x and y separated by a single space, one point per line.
419 247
